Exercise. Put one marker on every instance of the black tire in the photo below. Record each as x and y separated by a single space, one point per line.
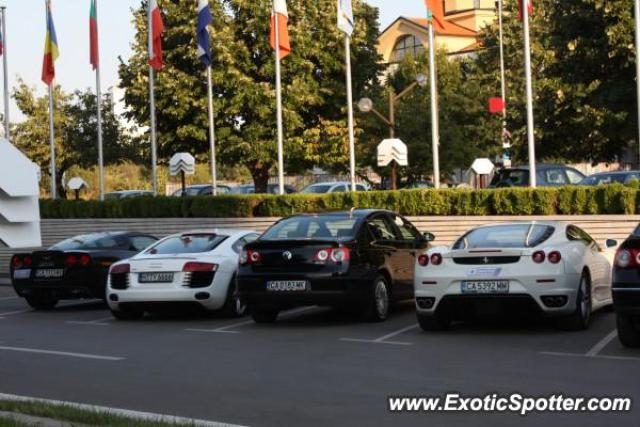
580 319
233 305
433 323
41 302
628 332
128 314
379 303
264 315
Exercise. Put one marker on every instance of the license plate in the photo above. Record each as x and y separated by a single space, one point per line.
485 287
21 274
49 273
287 286
155 278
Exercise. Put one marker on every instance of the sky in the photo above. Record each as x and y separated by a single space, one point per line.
26 33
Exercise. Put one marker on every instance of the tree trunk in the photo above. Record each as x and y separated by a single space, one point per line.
260 174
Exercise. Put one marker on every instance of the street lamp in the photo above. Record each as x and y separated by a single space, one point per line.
365 105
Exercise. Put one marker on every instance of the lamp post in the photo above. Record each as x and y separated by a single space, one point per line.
365 105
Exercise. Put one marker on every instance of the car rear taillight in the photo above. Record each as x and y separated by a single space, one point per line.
250 257
627 258
336 255
27 261
193 267
85 260
436 259
554 257
538 257
71 260
423 260
120 269
17 262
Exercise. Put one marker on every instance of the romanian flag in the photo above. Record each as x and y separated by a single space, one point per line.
93 32
1 43
155 39
435 11
51 52
279 21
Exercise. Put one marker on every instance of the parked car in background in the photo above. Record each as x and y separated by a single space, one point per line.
332 187
196 267
202 190
547 175
361 261
545 267
125 194
626 290
621 177
271 189
74 268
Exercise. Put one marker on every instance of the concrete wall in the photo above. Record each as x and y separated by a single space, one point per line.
446 229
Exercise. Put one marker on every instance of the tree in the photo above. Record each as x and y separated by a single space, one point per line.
243 73
75 119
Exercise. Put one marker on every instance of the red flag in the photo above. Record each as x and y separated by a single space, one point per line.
93 34
280 14
51 52
157 28
496 105
525 3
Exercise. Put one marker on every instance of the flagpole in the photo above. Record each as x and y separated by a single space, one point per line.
637 19
279 104
435 125
152 111
7 123
212 134
529 85
52 143
99 108
352 151
503 83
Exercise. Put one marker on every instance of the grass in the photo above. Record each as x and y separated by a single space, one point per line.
73 414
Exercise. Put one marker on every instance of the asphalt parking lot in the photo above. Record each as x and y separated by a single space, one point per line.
313 367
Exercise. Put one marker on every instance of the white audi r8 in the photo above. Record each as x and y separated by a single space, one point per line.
546 266
196 267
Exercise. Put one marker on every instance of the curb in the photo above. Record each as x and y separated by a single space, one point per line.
144 416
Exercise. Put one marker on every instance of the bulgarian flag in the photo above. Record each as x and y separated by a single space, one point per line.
155 36
93 31
51 52
525 4
279 21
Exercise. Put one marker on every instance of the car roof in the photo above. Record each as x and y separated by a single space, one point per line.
360 213
540 166
217 231
616 173
525 222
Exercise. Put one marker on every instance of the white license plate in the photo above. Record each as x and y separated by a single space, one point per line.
49 273
21 274
485 287
287 286
155 278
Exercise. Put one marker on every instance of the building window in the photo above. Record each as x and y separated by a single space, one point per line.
407 45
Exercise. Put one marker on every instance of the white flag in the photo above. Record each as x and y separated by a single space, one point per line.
345 17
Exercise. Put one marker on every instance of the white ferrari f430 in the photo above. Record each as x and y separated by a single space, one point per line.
549 267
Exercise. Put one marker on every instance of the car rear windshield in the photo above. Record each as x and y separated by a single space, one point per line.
89 242
312 227
506 236
187 244
608 179
514 176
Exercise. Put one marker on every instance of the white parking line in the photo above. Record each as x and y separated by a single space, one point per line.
383 339
556 353
99 322
12 313
226 329
8 298
144 416
602 344
62 353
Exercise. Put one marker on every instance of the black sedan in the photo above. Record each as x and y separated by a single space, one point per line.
626 290
74 268
360 260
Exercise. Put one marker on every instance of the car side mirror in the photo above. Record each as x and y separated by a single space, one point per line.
429 237
611 243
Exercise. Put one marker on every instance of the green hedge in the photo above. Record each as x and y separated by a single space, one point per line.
611 199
